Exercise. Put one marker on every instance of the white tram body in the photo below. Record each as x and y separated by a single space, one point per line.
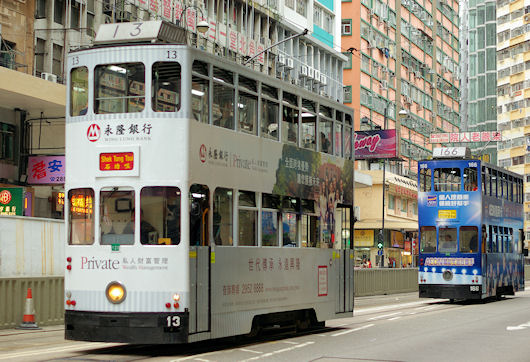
180 230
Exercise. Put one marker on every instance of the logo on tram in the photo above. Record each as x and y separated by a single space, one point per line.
93 133
202 153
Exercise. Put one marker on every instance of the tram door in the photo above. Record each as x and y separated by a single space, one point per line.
343 245
199 260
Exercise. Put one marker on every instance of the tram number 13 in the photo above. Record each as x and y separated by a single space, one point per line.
173 321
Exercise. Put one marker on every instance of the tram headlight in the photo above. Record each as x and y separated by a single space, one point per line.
115 292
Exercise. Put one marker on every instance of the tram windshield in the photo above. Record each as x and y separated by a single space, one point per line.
119 88
447 240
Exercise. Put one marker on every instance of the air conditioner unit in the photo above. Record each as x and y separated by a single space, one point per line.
323 79
290 63
310 72
303 71
49 76
383 85
281 59
316 75
408 100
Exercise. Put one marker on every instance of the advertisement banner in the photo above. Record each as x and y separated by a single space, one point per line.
375 144
11 201
46 170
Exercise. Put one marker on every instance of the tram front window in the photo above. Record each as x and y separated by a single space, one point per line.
119 88
81 217
447 240
428 239
117 216
160 215
469 239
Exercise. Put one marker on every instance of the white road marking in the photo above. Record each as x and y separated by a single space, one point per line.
250 351
72 348
352 330
361 311
193 357
383 316
280 351
393 319
289 342
519 327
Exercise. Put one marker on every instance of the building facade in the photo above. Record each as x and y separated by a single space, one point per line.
400 220
409 55
479 73
513 77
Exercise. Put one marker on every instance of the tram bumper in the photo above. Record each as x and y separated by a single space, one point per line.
449 291
134 328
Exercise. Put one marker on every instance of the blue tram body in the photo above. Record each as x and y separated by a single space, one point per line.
470 230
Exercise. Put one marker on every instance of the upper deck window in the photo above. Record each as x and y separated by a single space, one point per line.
166 87
290 118
78 91
119 88
425 180
470 179
447 179
309 122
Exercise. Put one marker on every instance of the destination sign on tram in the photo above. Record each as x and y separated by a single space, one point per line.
116 161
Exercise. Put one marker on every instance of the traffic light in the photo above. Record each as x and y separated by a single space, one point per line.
380 241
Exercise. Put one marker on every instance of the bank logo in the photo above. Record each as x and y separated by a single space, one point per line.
5 197
93 133
432 201
202 153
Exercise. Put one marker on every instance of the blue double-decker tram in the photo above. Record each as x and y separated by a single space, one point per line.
470 228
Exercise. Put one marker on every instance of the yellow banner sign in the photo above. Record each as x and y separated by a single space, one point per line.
446 214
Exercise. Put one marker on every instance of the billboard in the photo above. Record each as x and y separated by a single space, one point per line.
375 144
484 136
46 170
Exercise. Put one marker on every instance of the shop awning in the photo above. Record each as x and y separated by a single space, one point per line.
393 223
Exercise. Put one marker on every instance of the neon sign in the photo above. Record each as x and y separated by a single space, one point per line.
81 204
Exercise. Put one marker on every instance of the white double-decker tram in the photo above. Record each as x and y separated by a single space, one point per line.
205 199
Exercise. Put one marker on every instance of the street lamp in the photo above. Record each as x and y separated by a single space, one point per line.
202 26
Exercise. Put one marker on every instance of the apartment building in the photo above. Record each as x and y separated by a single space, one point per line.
239 30
478 43
513 83
409 55
405 56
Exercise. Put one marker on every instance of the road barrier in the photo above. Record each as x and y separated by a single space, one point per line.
48 293
48 297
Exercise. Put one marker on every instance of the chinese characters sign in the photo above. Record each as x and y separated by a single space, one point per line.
11 201
46 170
120 161
485 136
81 204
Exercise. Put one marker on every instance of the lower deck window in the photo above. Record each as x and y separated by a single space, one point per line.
81 216
428 239
469 239
160 215
447 242
117 217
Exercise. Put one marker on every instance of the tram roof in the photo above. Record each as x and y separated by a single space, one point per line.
483 163
153 32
